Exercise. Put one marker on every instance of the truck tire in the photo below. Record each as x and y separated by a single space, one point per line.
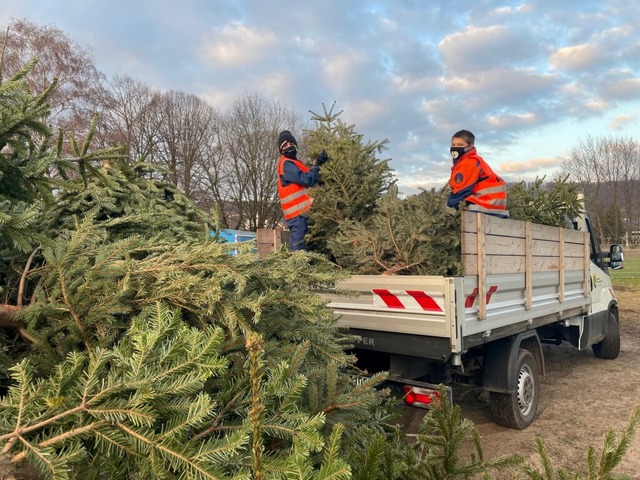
609 347
518 409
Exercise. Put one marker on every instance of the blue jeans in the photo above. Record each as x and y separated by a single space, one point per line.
298 228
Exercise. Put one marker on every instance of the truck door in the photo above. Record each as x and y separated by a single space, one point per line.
594 327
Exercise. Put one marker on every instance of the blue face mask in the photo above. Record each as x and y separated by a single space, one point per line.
290 152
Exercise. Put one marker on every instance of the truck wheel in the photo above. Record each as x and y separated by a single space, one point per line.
609 347
518 409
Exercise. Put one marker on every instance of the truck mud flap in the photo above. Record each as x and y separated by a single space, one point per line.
500 358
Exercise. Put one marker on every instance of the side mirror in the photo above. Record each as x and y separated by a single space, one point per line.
616 257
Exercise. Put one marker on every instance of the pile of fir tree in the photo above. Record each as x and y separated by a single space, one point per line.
135 346
416 235
420 235
362 224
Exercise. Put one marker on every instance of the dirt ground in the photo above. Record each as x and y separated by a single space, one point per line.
582 397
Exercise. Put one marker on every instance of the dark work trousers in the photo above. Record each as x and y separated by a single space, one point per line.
298 228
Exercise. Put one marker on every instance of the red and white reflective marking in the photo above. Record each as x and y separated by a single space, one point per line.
472 298
408 300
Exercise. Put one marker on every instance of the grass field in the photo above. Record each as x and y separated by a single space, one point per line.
630 274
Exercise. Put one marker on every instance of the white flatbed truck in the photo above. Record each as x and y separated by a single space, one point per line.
522 284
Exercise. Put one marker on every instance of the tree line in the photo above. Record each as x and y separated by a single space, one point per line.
222 160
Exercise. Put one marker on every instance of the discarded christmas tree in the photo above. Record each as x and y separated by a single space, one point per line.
417 235
546 204
353 180
136 346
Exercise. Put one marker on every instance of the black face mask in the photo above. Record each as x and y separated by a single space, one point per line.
290 152
457 152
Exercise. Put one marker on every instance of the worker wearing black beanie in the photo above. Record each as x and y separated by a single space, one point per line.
294 177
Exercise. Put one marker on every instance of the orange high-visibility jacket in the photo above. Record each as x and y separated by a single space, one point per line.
293 197
488 192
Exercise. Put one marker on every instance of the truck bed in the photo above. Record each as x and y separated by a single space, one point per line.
516 275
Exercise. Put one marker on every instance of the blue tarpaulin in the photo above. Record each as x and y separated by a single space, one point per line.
235 236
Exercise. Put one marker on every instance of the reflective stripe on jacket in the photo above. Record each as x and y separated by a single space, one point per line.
488 190
293 197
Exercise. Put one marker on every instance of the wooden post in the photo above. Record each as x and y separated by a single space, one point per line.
528 266
561 265
270 240
482 275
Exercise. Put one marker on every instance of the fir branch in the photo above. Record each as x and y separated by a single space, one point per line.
62 438
333 467
19 432
440 438
47 461
256 413
108 400
70 308
610 457
172 454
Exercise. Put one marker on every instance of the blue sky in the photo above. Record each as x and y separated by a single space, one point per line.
529 78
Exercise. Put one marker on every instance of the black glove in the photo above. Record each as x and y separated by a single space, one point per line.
322 158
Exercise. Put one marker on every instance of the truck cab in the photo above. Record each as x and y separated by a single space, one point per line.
603 316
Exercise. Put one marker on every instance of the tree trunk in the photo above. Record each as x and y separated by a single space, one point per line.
7 315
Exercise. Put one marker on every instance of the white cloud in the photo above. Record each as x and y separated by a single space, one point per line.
462 50
529 166
495 46
387 25
619 122
407 84
501 86
426 179
276 83
306 43
596 105
236 45
443 113
270 84
622 89
504 10
366 112
500 122
522 8
217 98
612 39
341 69
577 58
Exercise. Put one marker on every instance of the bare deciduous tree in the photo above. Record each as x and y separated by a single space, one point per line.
185 125
80 84
608 169
128 117
248 141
